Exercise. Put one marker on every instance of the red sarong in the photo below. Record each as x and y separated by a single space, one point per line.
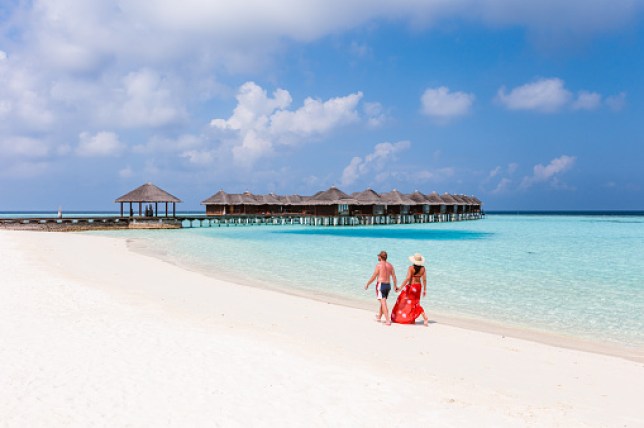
407 307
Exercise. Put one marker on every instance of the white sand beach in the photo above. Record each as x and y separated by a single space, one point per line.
93 334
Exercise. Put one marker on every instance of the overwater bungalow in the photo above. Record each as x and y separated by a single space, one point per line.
367 202
436 204
333 206
397 203
421 204
451 205
331 202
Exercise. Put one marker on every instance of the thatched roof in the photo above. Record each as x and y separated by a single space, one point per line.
223 198
295 200
148 193
448 199
331 196
434 199
418 198
219 198
466 199
475 200
271 199
248 198
367 197
459 200
396 198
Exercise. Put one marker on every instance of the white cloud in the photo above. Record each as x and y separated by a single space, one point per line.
75 34
25 169
315 116
68 66
24 147
126 172
587 101
375 114
5 107
23 99
159 145
549 173
259 123
503 176
439 174
512 167
63 149
199 157
544 95
549 96
99 145
556 166
440 103
502 186
616 102
373 163
148 101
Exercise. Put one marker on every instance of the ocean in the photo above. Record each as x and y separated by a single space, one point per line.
573 275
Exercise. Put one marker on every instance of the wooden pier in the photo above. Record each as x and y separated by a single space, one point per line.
311 220
76 224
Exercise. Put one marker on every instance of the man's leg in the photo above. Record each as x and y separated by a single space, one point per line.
385 310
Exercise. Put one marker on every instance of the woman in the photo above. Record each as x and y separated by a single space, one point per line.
407 307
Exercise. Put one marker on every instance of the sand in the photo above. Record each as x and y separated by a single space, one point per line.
93 334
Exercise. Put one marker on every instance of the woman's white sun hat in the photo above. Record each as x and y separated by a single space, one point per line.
417 259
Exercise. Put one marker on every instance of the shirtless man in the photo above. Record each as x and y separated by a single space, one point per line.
384 271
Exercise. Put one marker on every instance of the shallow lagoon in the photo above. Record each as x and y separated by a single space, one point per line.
574 275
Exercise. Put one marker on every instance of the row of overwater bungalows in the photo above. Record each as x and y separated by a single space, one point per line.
334 202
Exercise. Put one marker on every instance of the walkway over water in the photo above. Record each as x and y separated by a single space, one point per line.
200 220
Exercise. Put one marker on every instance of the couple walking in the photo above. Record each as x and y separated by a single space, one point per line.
407 307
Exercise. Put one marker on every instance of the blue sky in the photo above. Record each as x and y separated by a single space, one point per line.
528 105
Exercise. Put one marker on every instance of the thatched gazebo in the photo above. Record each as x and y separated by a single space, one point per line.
149 194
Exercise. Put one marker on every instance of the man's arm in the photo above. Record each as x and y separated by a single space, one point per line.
393 275
375 274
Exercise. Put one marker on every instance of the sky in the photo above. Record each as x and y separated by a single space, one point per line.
529 105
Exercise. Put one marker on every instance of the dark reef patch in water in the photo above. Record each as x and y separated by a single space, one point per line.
412 234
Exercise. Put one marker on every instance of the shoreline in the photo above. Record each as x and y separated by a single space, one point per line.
96 334
567 341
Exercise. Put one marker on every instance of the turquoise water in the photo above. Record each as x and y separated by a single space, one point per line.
575 275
